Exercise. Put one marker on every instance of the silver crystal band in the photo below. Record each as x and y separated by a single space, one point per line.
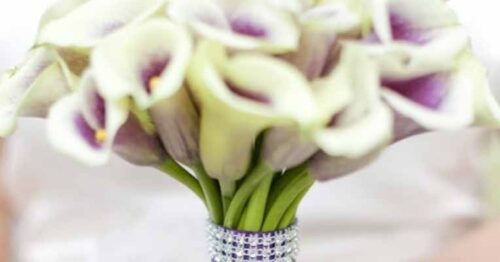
226 245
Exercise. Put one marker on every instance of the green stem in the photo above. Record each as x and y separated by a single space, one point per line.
228 189
282 182
291 212
241 197
177 172
212 195
285 200
243 218
256 207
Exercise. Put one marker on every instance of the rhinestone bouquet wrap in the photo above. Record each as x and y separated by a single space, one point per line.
226 245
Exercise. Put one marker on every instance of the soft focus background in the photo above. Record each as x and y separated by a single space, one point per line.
421 194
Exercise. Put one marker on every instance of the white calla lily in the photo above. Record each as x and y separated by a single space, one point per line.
361 126
177 124
407 42
239 100
324 167
138 146
286 147
443 100
322 26
359 120
147 62
486 105
84 23
243 25
410 21
58 10
84 125
32 88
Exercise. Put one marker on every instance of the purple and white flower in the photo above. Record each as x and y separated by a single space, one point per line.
87 127
84 23
239 100
243 25
147 62
414 38
30 89
322 27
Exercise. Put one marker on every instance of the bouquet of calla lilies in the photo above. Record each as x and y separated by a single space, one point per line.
246 102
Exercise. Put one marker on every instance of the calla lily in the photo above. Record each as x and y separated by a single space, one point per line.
80 23
138 146
360 123
58 23
239 100
437 101
58 10
324 167
30 89
322 26
177 123
147 62
413 38
84 125
244 24
486 106
89 128
285 147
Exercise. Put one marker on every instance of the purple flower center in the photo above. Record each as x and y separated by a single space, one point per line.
429 90
153 70
254 96
248 28
99 110
403 30
87 132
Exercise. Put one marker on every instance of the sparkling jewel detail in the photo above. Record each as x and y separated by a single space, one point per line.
226 245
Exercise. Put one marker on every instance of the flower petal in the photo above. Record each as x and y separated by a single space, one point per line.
147 62
178 126
413 38
285 147
361 122
242 82
321 28
90 21
486 106
324 167
439 101
400 59
239 100
60 9
137 146
241 25
363 135
76 126
410 21
32 88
